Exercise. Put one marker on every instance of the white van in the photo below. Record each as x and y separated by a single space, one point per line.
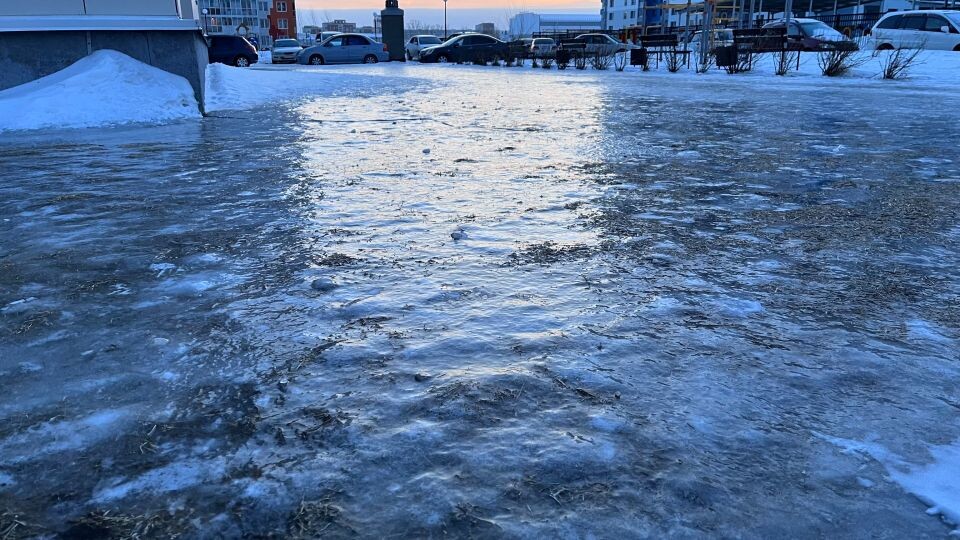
928 29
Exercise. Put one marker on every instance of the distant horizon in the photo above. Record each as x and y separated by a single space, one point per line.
459 18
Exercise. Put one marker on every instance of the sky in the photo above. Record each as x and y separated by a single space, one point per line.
461 14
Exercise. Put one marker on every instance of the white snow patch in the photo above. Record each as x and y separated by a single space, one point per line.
61 436
6 480
105 88
936 483
172 477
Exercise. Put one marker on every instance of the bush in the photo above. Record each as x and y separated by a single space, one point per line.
600 61
546 63
673 60
783 61
580 60
620 61
704 61
896 64
838 62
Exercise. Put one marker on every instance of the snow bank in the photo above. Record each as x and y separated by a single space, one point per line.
936 484
104 88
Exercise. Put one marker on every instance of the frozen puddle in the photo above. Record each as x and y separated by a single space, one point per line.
615 311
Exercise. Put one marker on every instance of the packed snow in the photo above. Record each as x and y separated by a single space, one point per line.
603 304
104 88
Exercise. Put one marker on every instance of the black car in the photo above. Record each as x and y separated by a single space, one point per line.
467 48
232 50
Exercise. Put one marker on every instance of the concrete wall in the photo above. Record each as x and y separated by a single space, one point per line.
182 53
41 7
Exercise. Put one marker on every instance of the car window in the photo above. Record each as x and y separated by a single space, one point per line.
336 42
955 17
794 29
890 23
287 43
484 40
427 40
357 41
912 22
935 22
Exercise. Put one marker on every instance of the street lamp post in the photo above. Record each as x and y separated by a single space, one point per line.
445 31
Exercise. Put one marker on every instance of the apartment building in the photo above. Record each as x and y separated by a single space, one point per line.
248 18
283 20
619 14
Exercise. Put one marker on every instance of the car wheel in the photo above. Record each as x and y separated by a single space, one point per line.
956 49
370 59
241 61
885 47
443 59
316 60
409 57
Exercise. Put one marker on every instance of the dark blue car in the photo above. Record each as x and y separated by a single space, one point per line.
232 50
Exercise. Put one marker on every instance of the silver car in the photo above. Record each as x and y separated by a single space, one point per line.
344 49
285 51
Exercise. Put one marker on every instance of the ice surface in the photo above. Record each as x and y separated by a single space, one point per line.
627 343
104 88
936 483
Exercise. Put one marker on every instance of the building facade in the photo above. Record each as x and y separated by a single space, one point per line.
620 14
487 28
248 18
340 25
39 38
283 21
527 24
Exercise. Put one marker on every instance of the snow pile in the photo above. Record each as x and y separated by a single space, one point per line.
936 484
104 88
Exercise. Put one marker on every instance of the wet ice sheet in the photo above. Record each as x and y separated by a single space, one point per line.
662 295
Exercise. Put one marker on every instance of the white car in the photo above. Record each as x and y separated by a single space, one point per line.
928 29
603 45
285 51
543 48
418 43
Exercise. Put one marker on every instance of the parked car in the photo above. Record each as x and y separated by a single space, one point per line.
927 29
722 37
603 45
323 36
812 35
466 48
285 51
420 42
232 50
345 49
543 48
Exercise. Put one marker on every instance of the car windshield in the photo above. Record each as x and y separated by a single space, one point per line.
430 40
543 41
954 18
818 29
287 43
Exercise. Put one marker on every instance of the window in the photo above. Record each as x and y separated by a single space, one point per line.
935 22
335 42
890 23
282 24
357 41
912 22
281 7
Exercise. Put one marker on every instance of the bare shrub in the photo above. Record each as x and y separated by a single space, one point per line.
673 60
837 62
600 61
783 60
896 64
580 60
703 61
743 64
620 61
563 60
535 61
546 63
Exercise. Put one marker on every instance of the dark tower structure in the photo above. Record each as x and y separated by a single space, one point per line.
393 36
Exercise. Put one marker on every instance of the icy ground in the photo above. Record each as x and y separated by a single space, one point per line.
698 310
